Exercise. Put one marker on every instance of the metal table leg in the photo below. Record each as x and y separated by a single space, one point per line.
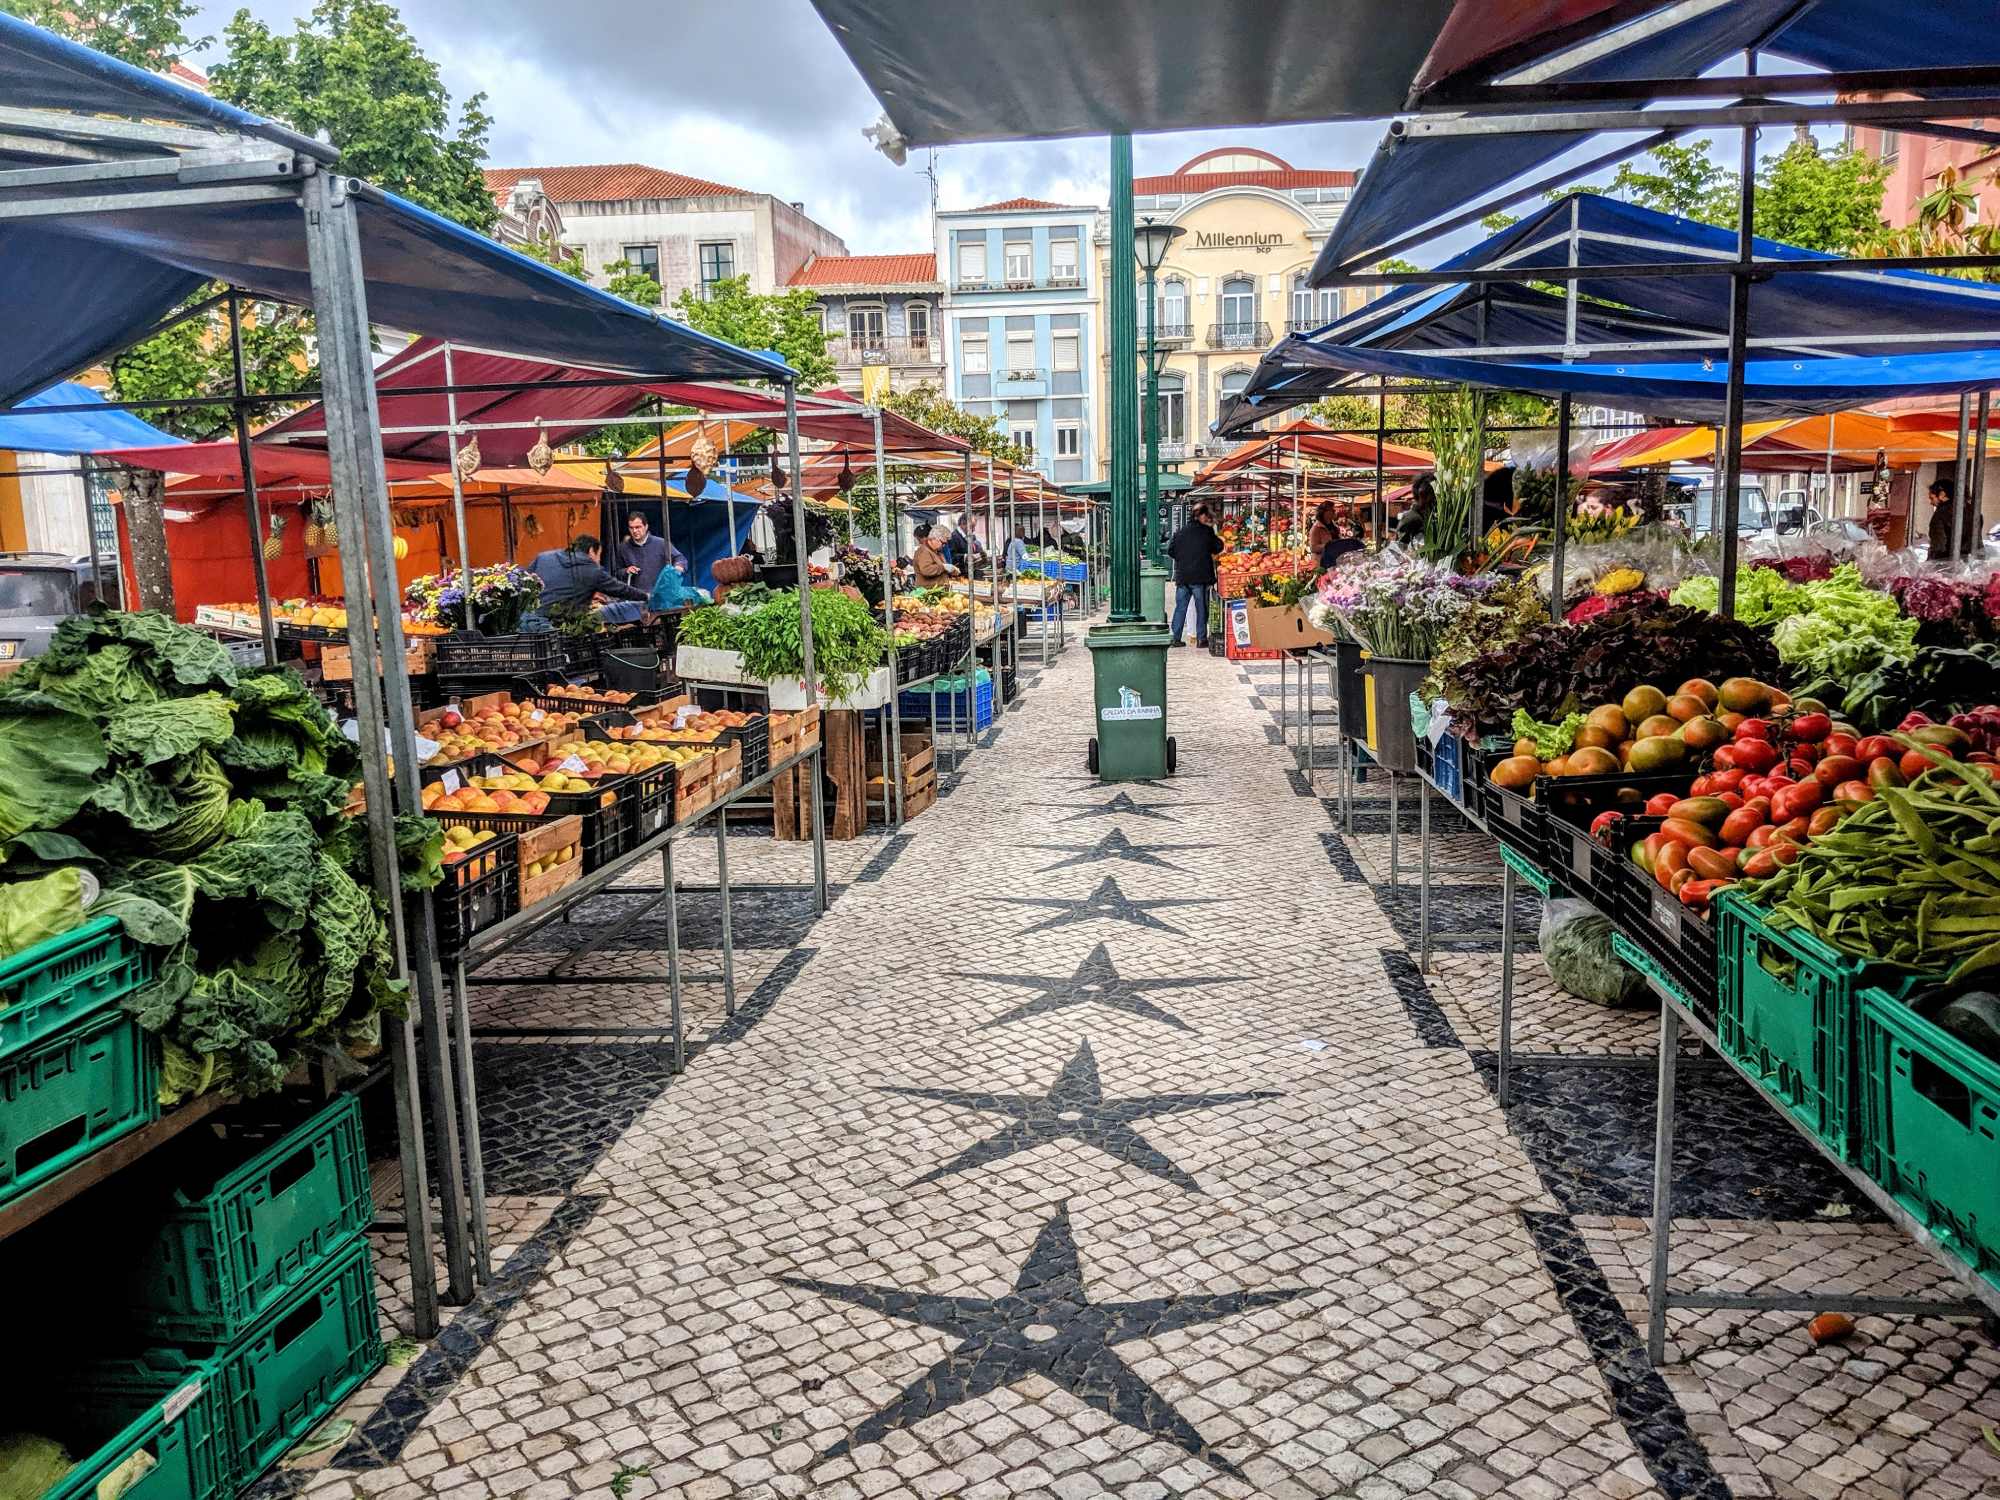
728 934
674 956
400 1038
1395 834
1423 876
1505 1084
818 809
1663 1184
1284 724
475 1173
1311 669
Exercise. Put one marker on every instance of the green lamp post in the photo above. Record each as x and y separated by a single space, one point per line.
1128 654
1150 242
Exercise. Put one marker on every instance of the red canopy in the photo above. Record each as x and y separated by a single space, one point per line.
1612 456
277 466
1305 438
819 418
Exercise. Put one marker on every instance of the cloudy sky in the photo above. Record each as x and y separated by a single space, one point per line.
754 93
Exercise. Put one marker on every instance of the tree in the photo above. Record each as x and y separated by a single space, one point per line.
784 321
1943 227
622 279
1819 200
148 34
1674 179
353 70
569 262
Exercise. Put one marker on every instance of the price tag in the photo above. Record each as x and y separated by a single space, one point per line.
1579 855
1666 913
576 765
175 1405
449 781
536 717
425 748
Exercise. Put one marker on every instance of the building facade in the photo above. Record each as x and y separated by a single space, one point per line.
685 232
880 311
529 218
1232 285
1021 331
1915 164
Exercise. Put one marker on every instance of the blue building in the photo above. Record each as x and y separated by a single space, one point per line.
1020 329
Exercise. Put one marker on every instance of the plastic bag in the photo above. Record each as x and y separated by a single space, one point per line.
1575 940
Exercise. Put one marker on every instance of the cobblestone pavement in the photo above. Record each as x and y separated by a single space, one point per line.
1111 1142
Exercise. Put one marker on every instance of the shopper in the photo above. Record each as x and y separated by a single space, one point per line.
1949 537
1417 514
572 575
1326 540
1194 549
958 550
1017 552
644 553
933 566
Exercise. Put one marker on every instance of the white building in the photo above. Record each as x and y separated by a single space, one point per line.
685 232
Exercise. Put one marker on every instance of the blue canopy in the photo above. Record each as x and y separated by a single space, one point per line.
1411 184
75 432
83 285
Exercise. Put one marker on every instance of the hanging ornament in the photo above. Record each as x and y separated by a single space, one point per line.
400 547
703 455
530 523
541 458
315 529
274 544
778 476
468 457
846 480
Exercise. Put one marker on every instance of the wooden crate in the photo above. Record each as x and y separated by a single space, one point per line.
728 770
336 663
844 763
559 834
694 786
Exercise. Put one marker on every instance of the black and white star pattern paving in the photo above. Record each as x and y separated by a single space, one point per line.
1120 804
1074 1109
1044 1326
1114 845
1095 982
1107 904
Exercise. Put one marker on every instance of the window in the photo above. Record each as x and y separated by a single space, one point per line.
917 318
1173 410
1069 440
1234 383
1239 307
1020 262
1021 352
819 314
1891 144
972 262
976 362
1064 351
1303 304
865 330
1023 437
1174 304
718 263
644 258
1063 263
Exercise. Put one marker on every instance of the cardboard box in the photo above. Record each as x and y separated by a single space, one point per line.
1274 629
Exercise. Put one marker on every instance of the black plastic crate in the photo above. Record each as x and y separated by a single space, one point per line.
608 829
464 654
1678 938
478 891
1518 821
1587 866
650 801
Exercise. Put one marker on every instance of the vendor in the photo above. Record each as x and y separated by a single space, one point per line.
1948 536
1423 500
1326 540
572 575
643 554
1017 552
933 566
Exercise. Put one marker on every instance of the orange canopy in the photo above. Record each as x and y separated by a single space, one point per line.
1303 438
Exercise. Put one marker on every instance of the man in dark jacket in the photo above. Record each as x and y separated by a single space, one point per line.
571 575
1194 549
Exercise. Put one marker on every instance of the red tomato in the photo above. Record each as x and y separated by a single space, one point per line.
1660 803
1753 729
1730 800
1792 829
1797 800
1810 729
1725 758
1838 743
1824 819
1835 769
1759 836
1913 764
1669 859
1784 851
1738 827
1875 746
1678 880
1728 781
1755 755
1703 785
1854 793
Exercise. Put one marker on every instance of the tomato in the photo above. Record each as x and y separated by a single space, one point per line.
1687 831
1755 755
1883 771
1671 860
1853 793
1698 893
1801 767
1755 787
1761 862
1838 743
1874 747
1784 851
1728 781
1914 763
1823 820
1760 836
1725 758
1712 864
1793 829
1836 769
1659 804
1753 729
1810 729
1702 786
1730 800
1604 823
1762 804
1796 800
1740 824
1678 880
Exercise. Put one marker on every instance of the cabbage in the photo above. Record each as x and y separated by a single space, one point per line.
31 1465
204 802
33 911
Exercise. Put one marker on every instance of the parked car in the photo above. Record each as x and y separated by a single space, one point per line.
38 591
1697 510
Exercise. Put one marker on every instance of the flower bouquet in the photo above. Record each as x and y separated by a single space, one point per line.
1396 606
499 596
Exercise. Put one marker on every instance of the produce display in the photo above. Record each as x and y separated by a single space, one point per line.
1647 731
461 734
610 698
461 846
492 795
206 804
848 641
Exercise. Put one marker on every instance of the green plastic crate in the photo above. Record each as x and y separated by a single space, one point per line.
1789 1013
77 1088
1638 959
73 975
181 1433
279 1379
1932 1107
1537 878
248 1217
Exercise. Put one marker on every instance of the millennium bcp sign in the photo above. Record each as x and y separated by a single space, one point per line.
1210 239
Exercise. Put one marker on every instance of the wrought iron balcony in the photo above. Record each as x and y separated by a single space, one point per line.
886 351
1234 335
1166 330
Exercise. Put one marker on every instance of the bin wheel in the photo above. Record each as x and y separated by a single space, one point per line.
1090 756
1173 754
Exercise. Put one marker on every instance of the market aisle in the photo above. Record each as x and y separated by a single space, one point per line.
1087 1149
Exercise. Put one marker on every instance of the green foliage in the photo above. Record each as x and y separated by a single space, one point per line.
193 359
569 262
848 640
352 69
1943 226
1456 418
784 321
149 34
628 281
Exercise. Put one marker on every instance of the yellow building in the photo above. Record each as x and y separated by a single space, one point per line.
1232 285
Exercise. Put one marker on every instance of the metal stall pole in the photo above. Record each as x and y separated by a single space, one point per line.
457 486
806 674
1378 513
1559 518
482 1240
1663 1184
1973 513
674 951
361 490
1961 490
1731 476
892 716
253 512
728 928
666 506
993 588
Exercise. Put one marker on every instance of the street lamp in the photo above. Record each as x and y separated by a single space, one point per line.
1150 242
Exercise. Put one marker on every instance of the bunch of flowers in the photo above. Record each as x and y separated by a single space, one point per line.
1281 588
1596 520
1395 605
499 596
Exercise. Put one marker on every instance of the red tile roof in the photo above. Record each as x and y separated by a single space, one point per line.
867 270
1017 205
615 182
1192 183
